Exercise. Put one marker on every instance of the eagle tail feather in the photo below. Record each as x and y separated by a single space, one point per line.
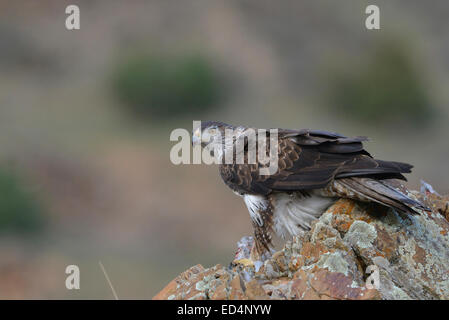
379 191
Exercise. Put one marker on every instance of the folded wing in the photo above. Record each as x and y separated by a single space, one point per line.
311 159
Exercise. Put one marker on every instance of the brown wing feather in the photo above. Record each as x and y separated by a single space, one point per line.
311 159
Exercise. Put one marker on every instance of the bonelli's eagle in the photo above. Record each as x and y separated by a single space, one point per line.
314 169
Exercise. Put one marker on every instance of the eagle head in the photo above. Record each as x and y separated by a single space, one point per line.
210 133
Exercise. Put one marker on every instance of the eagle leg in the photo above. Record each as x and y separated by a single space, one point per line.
261 211
263 242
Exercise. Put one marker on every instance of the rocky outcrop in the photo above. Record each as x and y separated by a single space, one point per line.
354 251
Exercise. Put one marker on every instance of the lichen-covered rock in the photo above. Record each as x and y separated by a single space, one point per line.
354 251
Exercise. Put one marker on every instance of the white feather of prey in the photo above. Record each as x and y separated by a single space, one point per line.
293 213
255 204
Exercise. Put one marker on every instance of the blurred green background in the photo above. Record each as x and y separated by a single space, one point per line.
85 119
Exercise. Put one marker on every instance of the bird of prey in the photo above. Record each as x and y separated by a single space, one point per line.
314 169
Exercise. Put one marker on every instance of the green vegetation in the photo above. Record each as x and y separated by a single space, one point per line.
386 88
163 86
19 211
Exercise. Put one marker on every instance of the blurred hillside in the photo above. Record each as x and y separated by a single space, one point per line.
88 153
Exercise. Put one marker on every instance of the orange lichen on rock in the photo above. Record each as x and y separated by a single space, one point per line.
343 206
